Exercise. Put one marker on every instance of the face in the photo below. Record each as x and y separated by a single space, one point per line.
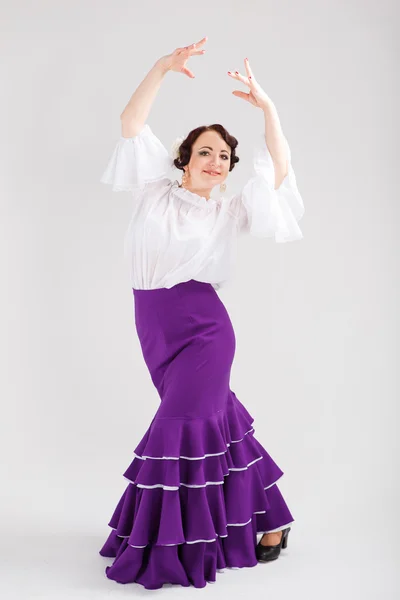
210 161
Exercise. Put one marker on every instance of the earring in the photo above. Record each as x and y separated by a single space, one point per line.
184 179
222 188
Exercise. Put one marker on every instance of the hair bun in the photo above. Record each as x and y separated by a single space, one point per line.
175 147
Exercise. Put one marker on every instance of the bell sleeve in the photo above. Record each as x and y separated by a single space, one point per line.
263 211
137 161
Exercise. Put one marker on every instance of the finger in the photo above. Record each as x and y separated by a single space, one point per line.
195 46
193 50
203 41
242 95
187 72
248 70
239 77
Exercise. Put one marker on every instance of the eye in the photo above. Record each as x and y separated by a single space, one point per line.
203 152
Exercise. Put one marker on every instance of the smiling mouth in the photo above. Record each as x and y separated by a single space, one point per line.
212 173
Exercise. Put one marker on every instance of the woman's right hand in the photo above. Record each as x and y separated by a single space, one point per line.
178 59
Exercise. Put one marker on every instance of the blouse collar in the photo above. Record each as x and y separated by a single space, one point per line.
191 197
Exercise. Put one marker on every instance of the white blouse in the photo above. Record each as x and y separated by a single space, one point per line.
175 235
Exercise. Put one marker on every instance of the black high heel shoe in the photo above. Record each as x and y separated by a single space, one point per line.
267 553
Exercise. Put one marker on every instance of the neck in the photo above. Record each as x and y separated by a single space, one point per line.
205 193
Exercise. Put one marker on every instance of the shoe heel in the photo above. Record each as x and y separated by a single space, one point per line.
285 538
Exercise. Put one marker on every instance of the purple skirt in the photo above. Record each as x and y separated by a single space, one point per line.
200 485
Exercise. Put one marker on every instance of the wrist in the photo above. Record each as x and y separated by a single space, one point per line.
161 65
268 106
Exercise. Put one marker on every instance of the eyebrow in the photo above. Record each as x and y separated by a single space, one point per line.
209 147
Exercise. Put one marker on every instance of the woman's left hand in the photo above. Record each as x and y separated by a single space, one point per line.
256 96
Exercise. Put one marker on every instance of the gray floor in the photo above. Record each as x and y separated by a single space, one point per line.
322 568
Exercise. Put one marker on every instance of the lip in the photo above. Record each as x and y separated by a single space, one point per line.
212 173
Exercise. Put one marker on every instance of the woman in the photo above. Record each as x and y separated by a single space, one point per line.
201 487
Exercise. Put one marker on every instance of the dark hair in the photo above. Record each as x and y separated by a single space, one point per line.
185 149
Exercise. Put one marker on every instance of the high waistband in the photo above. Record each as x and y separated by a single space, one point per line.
191 283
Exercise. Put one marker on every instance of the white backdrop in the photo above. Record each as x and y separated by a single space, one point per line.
316 321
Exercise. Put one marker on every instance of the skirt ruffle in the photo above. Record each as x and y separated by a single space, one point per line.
199 491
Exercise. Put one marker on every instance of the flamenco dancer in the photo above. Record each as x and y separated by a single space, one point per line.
200 486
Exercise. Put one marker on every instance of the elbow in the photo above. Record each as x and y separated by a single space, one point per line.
130 128
279 179
278 183
281 172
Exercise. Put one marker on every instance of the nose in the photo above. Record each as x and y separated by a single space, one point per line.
215 164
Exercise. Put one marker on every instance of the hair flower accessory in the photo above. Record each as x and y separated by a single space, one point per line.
175 147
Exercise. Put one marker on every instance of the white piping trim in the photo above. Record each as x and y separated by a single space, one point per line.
277 529
157 485
245 468
271 484
239 524
193 485
221 536
191 457
241 439
174 488
170 487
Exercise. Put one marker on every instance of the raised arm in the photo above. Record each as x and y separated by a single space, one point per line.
139 157
274 137
134 115
270 204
